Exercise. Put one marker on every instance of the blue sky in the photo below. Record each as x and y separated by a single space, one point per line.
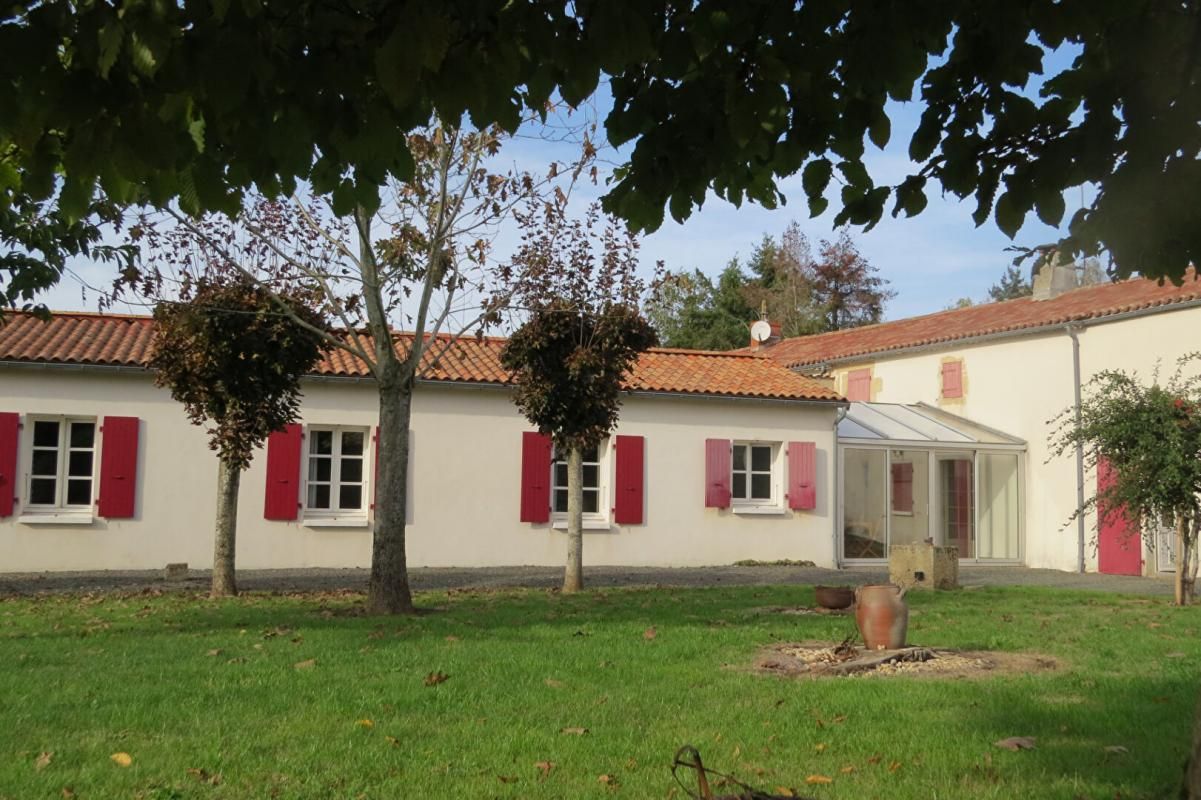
930 260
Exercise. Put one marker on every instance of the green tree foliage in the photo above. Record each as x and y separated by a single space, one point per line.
196 102
689 311
582 334
1013 284
1151 437
233 353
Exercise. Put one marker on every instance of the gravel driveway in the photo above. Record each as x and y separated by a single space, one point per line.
543 577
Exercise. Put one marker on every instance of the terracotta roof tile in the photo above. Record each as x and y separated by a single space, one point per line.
1088 303
126 341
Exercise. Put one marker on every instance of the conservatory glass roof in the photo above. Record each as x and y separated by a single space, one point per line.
917 424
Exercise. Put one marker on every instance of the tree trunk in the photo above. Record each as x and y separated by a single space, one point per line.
573 575
388 590
226 533
1184 557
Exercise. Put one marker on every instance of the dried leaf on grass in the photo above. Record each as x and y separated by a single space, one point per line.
308 663
1116 749
122 759
204 776
507 778
435 678
43 761
650 633
364 723
554 684
545 767
816 780
574 731
1016 743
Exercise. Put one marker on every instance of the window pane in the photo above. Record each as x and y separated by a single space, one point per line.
761 487
738 487
352 470
350 498
45 462
83 434
560 474
740 457
322 442
761 458
865 492
590 455
999 524
79 492
352 443
79 464
41 491
45 433
560 500
592 477
591 501
318 496
320 469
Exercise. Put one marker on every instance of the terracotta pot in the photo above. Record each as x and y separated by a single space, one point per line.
882 616
834 597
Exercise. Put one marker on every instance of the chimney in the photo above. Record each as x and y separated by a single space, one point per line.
764 333
1054 278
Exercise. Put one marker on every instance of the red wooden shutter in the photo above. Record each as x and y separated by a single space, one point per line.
10 431
802 476
282 495
717 473
859 385
902 487
118 467
535 477
952 379
627 500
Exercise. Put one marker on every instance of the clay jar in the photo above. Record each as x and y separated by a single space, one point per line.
882 616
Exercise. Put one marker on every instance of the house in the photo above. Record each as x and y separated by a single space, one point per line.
718 457
947 433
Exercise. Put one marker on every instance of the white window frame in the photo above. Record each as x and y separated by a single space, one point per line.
593 520
748 505
60 510
334 516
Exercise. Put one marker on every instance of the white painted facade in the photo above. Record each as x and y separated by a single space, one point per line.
1016 384
464 483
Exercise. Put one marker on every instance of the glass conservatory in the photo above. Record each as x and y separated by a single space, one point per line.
912 473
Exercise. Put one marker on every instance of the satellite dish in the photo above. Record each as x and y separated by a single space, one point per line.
761 331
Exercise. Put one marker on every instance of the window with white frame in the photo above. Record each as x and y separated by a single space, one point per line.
593 488
62 464
336 483
753 473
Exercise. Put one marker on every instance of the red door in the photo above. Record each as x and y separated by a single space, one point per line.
1119 542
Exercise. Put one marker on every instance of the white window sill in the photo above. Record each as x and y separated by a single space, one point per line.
589 525
771 511
55 518
335 522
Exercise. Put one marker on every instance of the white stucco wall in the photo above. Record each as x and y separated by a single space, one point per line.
1017 385
465 484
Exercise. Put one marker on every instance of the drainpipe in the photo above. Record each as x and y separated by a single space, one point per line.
837 472
1073 331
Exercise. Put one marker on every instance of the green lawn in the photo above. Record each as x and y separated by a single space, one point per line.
301 697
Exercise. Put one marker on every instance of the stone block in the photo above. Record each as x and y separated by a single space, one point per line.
924 566
176 572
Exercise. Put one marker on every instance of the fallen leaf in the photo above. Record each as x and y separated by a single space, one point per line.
894 766
784 791
392 740
574 731
308 663
43 761
875 759
544 767
554 684
122 759
216 651
848 769
650 633
435 678
820 747
814 780
365 723
507 778
68 793
1116 749
840 718
608 780
1016 743
204 776
452 638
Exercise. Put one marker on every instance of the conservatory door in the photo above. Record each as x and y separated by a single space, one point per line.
956 502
